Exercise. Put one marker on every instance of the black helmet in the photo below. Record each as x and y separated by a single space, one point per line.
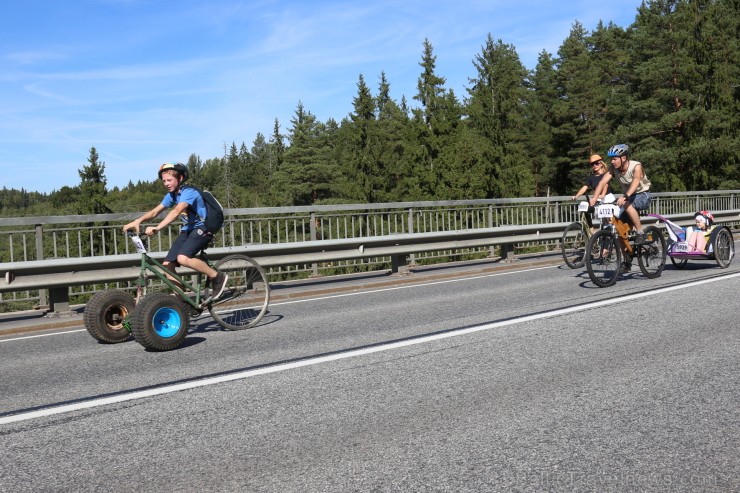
179 167
619 150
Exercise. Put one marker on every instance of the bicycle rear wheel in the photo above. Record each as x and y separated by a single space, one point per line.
246 296
723 247
603 258
651 255
574 245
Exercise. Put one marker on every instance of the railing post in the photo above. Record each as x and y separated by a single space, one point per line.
490 225
314 237
399 264
507 252
412 257
43 293
59 301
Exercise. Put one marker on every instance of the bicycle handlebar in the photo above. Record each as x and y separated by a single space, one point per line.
131 233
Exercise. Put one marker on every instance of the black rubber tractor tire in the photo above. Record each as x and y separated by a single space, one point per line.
105 314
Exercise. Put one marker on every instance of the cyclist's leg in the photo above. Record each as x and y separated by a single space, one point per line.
195 241
627 257
633 215
635 203
170 261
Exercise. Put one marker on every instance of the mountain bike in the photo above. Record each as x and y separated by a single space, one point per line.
576 234
611 250
161 320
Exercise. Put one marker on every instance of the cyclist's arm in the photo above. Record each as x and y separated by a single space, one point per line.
601 188
172 216
580 192
135 224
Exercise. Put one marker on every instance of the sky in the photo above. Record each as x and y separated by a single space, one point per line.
151 81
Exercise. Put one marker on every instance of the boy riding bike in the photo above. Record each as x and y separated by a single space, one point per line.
188 205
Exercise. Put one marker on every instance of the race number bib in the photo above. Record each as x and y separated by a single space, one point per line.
139 244
606 211
681 247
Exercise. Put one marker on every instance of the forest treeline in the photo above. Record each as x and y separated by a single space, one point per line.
667 85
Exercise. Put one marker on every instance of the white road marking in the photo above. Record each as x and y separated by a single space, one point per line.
166 389
42 335
328 297
409 286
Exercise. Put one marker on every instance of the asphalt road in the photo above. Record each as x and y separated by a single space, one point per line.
526 380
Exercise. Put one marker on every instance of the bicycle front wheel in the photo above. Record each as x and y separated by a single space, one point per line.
574 245
603 258
247 294
651 255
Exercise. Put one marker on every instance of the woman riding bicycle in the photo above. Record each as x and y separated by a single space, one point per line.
598 168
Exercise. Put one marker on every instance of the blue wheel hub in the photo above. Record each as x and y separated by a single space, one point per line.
166 322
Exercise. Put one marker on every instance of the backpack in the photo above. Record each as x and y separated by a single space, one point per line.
214 219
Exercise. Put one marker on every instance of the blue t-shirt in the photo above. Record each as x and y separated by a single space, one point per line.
192 217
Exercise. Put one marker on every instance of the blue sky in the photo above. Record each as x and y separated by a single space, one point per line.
149 81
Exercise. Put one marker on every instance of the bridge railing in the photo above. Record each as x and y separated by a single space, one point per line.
93 237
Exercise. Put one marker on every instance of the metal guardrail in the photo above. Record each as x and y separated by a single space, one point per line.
303 237
36 238
57 275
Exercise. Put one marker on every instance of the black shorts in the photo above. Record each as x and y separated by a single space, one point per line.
188 243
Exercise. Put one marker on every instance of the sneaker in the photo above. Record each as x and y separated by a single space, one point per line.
639 239
626 266
218 284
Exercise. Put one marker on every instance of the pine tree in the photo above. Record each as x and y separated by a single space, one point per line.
195 168
496 110
681 122
539 113
396 181
93 182
434 126
259 172
581 126
358 158
308 173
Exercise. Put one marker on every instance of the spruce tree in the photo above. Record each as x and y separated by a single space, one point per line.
434 125
357 155
682 121
93 182
580 124
496 110
308 173
539 113
393 127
